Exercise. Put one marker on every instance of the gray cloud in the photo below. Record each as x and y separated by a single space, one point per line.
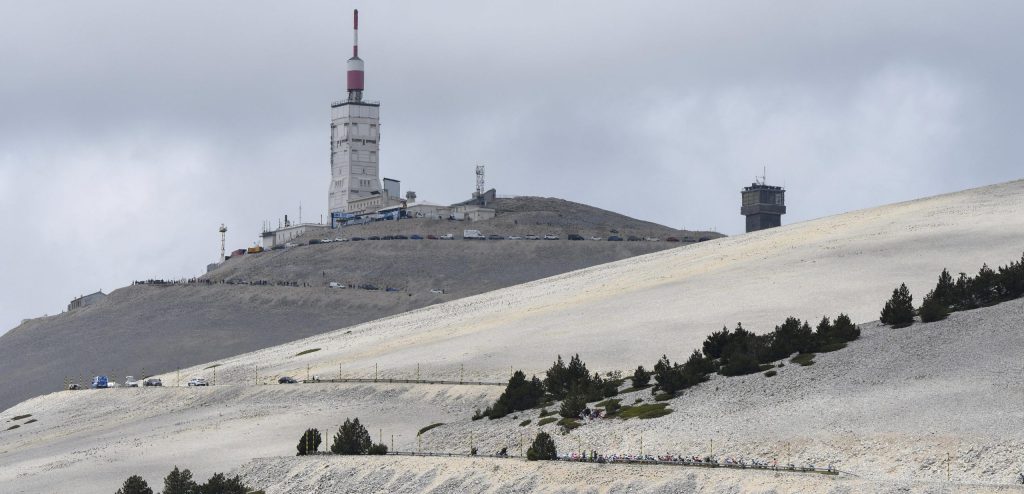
130 131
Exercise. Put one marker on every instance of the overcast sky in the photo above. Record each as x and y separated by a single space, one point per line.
129 131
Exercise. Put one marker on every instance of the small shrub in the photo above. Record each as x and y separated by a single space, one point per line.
546 421
899 310
569 424
135 485
477 415
831 347
311 350
378 449
770 373
19 417
543 448
15 426
663 397
544 412
30 421
525 423
646 411
427 428
803 359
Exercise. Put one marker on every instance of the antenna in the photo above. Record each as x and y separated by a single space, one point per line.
480 180
223 234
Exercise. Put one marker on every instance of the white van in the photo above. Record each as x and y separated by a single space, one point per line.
472 235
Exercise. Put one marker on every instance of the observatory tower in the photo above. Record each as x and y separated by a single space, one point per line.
355 139
763 205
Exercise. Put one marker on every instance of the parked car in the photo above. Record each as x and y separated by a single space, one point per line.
447 236
374 237
436 290
130 382
100 382
596 238
287 380
341 239
495 237
290 244
515 237
74 387
387 237
633 238
335 284
415 237
550 237
431 237
652 239
368 286
358 239
614 238
532 237
573 236
472 235
198 381
153 381
671 239
703 239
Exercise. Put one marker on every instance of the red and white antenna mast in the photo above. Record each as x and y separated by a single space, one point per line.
355 64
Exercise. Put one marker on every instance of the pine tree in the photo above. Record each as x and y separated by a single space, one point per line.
309 442
135 485
945 290
641 377
180 482
932 309
899 310
543 448
573 404
220 484
351 439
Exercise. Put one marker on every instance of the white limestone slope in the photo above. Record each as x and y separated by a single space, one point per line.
630 312
889 407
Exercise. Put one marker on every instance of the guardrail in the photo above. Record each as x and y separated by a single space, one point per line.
402 381
649 461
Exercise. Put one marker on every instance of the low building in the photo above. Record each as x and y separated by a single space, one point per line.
86 300
471 212
430 210
373 203
288 233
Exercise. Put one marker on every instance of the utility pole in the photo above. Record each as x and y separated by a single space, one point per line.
374 372
462 371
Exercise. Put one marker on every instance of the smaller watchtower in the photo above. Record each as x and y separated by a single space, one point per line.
763 205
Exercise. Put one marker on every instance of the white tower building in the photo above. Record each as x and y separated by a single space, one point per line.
355 140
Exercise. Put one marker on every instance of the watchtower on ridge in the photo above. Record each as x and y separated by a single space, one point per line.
763 205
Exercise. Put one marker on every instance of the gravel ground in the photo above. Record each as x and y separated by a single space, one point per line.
463 475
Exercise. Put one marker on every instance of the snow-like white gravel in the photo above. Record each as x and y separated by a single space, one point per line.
889 408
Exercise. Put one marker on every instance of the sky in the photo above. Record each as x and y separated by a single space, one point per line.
129 131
